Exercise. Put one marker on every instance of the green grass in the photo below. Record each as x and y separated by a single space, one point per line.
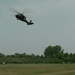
37 69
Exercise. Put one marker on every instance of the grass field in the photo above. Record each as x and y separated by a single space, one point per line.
37 69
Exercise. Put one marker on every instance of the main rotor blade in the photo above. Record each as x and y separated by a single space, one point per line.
14 11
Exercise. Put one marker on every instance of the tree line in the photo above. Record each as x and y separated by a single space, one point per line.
52 54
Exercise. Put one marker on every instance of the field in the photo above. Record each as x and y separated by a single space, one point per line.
37 69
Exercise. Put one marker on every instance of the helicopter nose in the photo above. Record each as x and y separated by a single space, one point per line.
16 16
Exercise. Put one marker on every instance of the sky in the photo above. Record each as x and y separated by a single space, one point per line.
54 24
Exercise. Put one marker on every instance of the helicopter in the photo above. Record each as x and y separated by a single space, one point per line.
21 17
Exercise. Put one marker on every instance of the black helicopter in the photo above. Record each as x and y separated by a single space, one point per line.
20 16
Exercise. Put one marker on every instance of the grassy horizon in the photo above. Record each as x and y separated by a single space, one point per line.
37 69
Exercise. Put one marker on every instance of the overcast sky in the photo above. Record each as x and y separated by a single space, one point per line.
54 24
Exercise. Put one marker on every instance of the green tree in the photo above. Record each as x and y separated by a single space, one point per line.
54 52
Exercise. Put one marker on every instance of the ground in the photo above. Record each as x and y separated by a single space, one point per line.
37 69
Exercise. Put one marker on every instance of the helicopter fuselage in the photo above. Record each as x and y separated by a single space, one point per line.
20 17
